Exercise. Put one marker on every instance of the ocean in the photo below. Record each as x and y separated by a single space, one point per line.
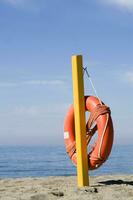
40 161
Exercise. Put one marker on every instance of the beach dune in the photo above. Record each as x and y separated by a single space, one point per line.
118 187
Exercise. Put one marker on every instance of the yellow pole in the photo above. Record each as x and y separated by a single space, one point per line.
80 122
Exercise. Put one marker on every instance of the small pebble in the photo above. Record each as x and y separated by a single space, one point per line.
58 194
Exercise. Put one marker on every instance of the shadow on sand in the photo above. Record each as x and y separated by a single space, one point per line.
116 182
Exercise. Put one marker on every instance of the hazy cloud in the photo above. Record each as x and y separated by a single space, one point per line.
26 5
33 124
122 3
44 82
33 83
8 84
16 2
129 77
38 111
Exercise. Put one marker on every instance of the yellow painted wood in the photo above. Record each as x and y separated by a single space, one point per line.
80 122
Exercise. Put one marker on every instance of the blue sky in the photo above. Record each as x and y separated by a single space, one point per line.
37 40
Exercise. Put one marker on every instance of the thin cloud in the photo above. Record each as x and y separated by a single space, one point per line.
121 3
33 124
44 82
15 2
26 5
129 77
32 83
38 111
8 84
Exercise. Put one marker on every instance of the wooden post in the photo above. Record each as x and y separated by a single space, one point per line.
80 122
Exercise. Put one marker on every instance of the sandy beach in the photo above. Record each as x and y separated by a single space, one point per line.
50 188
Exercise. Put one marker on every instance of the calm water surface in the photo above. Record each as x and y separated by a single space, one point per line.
38 161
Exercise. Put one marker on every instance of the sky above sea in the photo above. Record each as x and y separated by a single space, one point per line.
37 40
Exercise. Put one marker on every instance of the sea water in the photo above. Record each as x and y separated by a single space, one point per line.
39 161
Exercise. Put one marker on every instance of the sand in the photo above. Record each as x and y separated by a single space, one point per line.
118 187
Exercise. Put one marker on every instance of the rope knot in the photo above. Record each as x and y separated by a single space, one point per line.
97 111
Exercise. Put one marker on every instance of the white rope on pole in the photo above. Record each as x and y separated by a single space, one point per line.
92 84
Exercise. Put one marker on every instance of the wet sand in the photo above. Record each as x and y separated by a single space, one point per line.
118 187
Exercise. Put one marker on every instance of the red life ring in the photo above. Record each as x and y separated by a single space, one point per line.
99 114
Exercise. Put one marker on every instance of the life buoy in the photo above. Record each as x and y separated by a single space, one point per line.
101 117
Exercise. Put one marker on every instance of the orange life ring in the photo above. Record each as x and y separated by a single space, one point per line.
104 125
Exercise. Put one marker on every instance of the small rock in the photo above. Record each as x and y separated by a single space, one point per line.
57 193
90 189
